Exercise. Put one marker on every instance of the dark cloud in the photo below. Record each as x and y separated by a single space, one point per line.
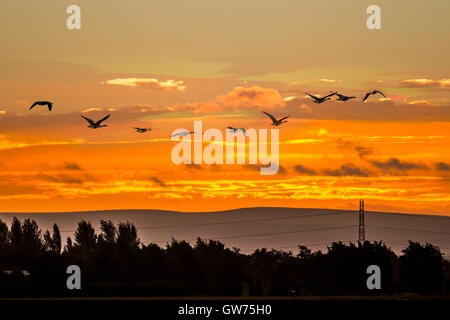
347 169
345 145
396 164
193 166
158 181
60 178
304 170
257 167
442 166
71 166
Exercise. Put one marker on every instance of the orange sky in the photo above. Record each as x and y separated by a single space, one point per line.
164 65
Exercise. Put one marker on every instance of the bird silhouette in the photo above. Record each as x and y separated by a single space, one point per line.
372 92
96 125
142 130
342 97
323 99
183 134
275 122
236 130
42 103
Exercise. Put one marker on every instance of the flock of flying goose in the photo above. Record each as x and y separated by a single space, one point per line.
275 122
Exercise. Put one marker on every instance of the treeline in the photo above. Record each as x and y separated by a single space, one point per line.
116 263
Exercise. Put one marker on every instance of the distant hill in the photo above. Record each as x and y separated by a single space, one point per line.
251 228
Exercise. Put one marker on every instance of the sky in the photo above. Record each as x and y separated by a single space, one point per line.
165 64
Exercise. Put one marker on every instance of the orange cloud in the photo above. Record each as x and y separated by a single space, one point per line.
414 83
249 98
148 83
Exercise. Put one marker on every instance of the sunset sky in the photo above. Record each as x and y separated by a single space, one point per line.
164 64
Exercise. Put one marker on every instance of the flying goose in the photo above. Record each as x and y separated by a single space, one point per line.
142 130
42 103
275 122
183 134
98 124
236 130
342 97
373 92
323 99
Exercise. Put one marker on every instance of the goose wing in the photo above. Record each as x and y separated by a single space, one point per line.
330 95
314 97
376 91
33 105
103 119
284 118
366 96
270 116
91 122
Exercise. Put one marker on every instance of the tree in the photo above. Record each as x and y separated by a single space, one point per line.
109 231
85 236
25 241
15 234
56 239
31 235
127 235
53 243
69 245
422 268
3 235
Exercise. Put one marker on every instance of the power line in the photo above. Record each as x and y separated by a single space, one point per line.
267 234
414 230
237 221
245 221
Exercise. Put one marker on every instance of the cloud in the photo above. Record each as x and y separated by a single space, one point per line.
72 166
148 83
193 166
421 102
347 169
257 167
290 98
345 145
325 80
396 164
60 178
425 83
306 108
442 166
98 109
304 170
252 97
158 181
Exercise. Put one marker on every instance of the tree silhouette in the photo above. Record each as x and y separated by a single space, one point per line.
109 232
127 235
25 243
15 234
116 263
3 235
85 236
422 268
53 243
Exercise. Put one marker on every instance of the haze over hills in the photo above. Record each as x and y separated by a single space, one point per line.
251 228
